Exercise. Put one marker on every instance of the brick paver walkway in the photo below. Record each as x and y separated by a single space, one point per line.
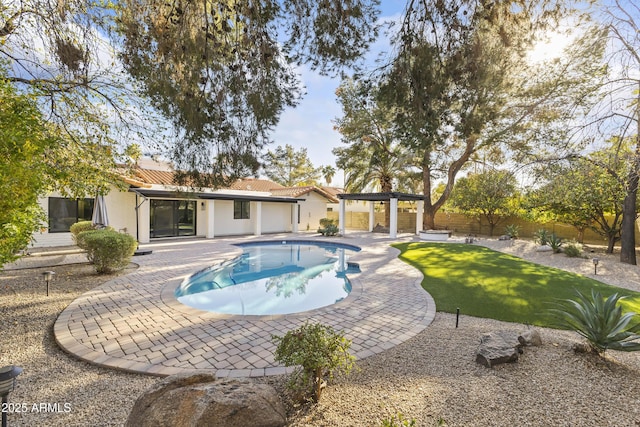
135 323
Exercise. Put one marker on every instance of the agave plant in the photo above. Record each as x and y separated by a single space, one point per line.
601 322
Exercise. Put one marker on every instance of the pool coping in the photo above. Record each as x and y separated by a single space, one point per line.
134 322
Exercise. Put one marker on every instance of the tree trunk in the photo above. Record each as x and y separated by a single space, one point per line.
429 218
628 238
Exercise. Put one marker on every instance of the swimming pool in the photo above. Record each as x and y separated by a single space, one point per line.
281 277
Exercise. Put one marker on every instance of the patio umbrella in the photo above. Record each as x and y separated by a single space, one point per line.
99 217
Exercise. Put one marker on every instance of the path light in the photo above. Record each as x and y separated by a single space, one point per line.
48 275
595 265
8 376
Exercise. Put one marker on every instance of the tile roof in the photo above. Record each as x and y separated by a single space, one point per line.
300 191
254 184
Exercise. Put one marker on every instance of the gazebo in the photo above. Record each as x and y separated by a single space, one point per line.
372 198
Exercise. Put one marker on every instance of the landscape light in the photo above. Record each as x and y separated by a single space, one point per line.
48 275
8 376
595 265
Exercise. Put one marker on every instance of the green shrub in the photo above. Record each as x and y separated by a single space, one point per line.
107 249
512 230
541 237
318 351
600 321
573 249
555 242
398 421
78 228
328 227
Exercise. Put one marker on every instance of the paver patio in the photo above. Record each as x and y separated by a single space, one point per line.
135 323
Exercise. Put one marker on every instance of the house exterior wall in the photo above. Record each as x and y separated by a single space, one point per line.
312 210
276 217
120 209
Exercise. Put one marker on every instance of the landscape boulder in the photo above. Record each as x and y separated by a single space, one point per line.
504 346
204 400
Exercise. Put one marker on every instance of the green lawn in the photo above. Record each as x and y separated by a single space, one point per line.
485 283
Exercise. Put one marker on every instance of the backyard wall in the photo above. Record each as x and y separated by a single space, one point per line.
462 224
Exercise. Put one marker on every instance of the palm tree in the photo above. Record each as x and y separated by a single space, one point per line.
372 159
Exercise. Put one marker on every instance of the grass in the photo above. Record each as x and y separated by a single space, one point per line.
490 284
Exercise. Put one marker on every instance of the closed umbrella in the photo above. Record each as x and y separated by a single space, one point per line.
99 218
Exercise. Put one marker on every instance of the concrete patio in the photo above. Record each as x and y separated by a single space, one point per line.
135 323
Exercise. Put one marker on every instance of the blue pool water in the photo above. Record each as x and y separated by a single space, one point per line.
273 278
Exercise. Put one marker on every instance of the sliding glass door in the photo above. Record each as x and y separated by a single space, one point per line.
172 218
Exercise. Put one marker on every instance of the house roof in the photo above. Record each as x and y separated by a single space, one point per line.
301 191
212 196
144 177
255 184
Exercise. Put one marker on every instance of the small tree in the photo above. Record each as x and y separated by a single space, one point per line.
318 351
488 195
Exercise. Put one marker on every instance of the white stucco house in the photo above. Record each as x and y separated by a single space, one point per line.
152 207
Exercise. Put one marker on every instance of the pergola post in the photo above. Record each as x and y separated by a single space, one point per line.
372 215
419 213
393 226
341 216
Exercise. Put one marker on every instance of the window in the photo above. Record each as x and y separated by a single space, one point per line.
172 218
63 213
241 209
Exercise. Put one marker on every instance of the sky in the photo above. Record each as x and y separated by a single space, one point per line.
310 124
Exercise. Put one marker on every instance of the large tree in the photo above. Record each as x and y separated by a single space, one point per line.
222 71
290 167
461 84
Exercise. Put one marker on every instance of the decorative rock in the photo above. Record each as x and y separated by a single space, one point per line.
530 337
498 347
504 237
544 248
203 400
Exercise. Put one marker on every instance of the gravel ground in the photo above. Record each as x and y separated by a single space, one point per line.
431 378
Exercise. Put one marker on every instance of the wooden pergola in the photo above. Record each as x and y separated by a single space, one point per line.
372 198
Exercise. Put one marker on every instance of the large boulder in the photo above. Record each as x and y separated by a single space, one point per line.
498 347
204 400
505 346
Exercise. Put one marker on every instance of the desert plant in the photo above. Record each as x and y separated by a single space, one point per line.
398 420
512 230
541 237
107 249
600 321
328 227
572 249
318 351
555 242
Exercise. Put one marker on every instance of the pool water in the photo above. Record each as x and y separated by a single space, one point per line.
273 278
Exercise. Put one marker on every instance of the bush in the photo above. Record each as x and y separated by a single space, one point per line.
78 228
107 249
512 230
600 321
573 249
328 227
318 351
